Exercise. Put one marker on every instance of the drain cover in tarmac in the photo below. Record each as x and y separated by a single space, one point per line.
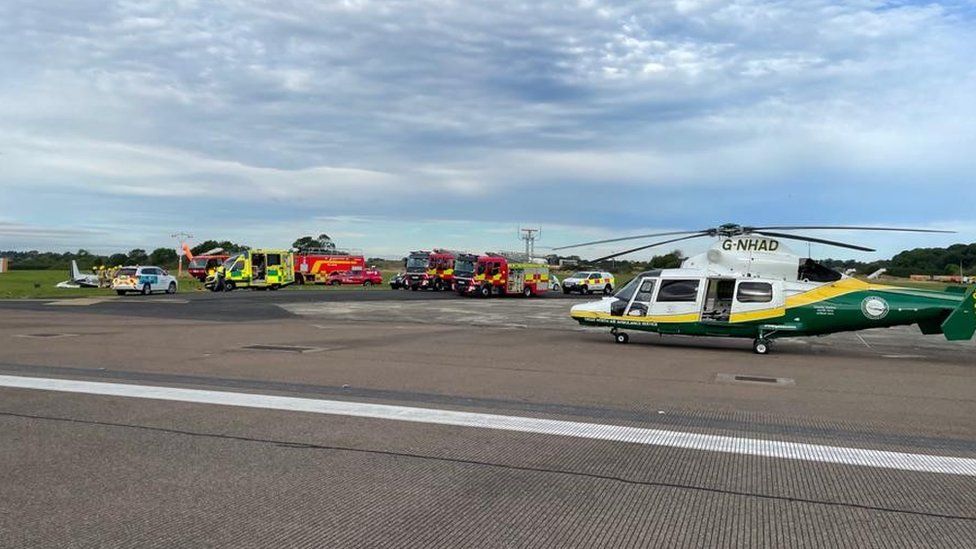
282 348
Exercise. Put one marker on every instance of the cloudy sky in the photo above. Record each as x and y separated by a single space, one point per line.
396 125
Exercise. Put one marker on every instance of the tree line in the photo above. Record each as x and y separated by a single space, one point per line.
924 261
162 257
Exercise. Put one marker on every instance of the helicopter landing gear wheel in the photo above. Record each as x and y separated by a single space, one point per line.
760 346
621 338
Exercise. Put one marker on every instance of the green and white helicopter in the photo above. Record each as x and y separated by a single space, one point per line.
750 285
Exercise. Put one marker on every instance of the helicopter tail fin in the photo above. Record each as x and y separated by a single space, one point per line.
961 324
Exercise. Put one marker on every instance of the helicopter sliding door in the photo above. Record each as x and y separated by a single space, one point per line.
757 300
718 299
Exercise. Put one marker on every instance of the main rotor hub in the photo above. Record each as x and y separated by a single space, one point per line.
728 230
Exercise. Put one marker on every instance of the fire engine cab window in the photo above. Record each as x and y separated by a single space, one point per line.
754 292
678 291
495 269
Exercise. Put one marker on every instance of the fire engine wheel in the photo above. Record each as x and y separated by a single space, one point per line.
300 280
146 289
171 289
367 283
485 291
333 283
760 346
527 292
621 338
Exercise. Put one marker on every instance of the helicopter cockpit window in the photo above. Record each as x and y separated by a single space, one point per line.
643 287
627 290
811 271
678 291
754 292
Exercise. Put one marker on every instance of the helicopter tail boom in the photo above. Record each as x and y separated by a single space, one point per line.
961 324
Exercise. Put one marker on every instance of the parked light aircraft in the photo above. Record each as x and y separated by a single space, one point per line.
79 280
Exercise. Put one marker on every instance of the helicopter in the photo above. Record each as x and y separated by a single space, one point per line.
749 284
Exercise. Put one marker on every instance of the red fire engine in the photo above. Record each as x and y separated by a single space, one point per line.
316 265
430 270
202 265
440 269
502 275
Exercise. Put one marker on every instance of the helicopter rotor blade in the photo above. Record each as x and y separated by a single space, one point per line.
816 240
652 235
632 250
844 227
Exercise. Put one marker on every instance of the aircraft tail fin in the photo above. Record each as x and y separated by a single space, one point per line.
75 271
961 324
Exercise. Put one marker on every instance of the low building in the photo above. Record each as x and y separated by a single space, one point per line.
4 264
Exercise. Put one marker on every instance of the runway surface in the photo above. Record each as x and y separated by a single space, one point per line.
397 419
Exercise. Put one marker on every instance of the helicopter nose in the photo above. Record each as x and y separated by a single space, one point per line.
592 308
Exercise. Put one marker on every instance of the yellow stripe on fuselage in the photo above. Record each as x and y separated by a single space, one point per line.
830 291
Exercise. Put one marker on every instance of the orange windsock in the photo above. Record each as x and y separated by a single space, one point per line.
186 251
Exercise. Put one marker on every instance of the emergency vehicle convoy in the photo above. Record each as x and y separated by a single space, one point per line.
256 269
320 266
501 274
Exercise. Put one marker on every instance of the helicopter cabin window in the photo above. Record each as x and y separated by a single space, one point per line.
754 292
718 300
678 291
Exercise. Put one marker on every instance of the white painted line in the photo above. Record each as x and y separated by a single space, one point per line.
616 433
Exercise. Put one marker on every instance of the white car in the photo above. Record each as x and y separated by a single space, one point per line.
145 280
587 282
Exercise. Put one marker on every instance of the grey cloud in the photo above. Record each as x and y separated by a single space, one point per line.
411 108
